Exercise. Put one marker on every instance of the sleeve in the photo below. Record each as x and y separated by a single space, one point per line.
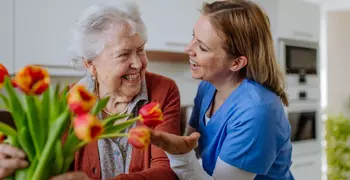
160 167
186 166
194 119
251 142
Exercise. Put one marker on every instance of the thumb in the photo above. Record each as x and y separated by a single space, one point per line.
192 140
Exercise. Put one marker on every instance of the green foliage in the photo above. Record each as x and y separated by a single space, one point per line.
338 147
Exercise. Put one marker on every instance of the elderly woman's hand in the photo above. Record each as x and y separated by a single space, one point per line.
11 159
174 144
72 176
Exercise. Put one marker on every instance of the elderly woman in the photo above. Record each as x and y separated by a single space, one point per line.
110 43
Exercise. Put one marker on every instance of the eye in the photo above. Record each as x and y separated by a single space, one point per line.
123 55
201 48
140 50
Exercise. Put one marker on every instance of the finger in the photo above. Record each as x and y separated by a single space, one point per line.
6 172
2 156
71 176
11 151
13 163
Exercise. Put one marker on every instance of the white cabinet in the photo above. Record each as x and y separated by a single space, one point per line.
307 167
6 34
298 20
42 28
169 23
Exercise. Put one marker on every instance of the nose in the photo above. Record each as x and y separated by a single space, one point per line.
189 49
136 62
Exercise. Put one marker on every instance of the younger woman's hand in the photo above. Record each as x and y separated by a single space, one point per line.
174 144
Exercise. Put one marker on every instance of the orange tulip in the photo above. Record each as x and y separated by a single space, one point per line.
151 114
139 137
87 127
2 137
32 80
80 100
3 73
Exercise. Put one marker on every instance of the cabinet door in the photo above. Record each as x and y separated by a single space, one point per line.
299 20
169 23
6 34
43 32
307 167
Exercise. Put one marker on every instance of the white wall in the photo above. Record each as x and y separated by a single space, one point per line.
338 47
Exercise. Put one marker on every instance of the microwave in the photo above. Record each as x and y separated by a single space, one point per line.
300 60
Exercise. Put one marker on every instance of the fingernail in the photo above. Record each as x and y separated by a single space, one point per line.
24 163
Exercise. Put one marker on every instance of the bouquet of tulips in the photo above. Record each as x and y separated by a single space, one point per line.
51 124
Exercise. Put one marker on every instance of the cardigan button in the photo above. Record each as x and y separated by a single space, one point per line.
94 171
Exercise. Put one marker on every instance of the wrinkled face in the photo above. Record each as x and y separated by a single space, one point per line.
208 59
121 65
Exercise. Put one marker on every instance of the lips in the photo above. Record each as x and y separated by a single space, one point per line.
193 63
131 77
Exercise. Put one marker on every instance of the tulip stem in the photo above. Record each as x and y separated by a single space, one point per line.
111 135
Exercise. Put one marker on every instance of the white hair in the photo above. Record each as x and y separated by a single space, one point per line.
91 31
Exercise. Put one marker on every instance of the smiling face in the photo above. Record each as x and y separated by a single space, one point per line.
121 65
208 59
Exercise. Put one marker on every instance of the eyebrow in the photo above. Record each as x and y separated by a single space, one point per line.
128 49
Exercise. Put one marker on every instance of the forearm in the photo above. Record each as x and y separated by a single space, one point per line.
163 173
186 166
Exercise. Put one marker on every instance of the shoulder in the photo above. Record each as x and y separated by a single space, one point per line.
159 87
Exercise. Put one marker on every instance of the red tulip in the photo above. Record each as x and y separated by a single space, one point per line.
87 127
80 100
151 114
3 73
2 137
139 137
32 80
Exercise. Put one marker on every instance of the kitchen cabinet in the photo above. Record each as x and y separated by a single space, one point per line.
298 20
170 26
43 28
307 167
6 34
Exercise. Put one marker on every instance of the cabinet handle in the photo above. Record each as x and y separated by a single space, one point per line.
176 44
299 165
55 66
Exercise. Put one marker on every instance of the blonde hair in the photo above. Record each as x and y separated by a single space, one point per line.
245 30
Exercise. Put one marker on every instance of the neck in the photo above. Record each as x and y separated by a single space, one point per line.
115 97
226 86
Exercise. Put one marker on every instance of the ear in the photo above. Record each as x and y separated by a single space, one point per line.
88 64
238 63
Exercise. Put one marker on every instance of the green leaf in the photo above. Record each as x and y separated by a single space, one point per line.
70 143
63 98
54 134
119 127
33 124
26 143
5 100
15 106
8 130
45 110
111 119
99 106
58 158
54 103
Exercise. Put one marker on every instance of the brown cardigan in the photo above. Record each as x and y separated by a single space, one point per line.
151 163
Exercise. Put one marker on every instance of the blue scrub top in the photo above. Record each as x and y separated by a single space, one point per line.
249 131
